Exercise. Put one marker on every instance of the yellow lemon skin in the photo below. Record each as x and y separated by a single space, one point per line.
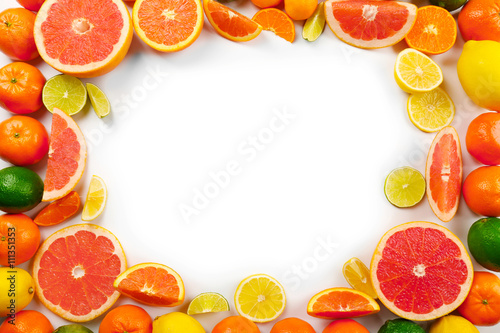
453 324
478 70
176 322
17 289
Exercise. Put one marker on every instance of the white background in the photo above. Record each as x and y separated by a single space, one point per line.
318 181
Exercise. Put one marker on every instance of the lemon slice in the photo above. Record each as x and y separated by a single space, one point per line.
64 92
404 187
96 199
358 276
99 101
415 72
260 298
431 111
208 302
315 24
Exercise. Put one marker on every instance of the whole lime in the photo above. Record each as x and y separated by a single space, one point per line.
400 326
453 324
449 5
177 322
484 242
20 189
72 328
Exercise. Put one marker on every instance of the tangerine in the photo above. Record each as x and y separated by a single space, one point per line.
27 321
292 325
16 34
483 138
345 325
266 3
480 20
33 5
481 191
300 9
126 318
19 234
235 324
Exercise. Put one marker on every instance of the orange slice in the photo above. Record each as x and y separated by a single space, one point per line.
59 211
151 284
277 21
336 303
74 270
83 38
67 157
168 25
229 23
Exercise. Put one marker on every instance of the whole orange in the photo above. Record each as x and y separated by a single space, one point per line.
480 20
17 40
266 3
21 88
481 190
345 325
482 305
300 9
483 138
33 5
235 324
23 140
19 239
27 321
292 325
126 318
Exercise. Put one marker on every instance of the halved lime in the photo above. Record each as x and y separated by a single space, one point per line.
64 92
208 302
404 187
315 24
99 101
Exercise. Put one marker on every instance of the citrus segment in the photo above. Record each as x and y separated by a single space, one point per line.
59 211
404 187
99 101
421 271
208 302
336 303
277 21
415 72
64 92
97 195
431 111
315 24
358 276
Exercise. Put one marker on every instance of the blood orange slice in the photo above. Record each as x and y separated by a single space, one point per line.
74 270
83 38
336 303
421 271
370 24
443 174
67 157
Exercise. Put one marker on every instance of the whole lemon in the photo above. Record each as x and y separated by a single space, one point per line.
17 288
453 324
479 73
176 322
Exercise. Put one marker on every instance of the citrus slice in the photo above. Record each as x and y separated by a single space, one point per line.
151 284
74 270
208 302
358 276
404 187
370 24
168 25
443 174
64 92
431 111
75 38
415 72
260 298
421 271
315 24
96 199
59 211
337 303
67 157
229 23
99 101
277 21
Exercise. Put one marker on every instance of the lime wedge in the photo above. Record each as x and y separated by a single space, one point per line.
207 302
99 101
315 24
64 92
404 187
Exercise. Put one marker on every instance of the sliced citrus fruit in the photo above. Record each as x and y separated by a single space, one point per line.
59 211
336 303
76 38
431 111
67 157
434 31
443 174
404 187
208 302
74 270
416 73
358 276
229 23
370 24
260 298
277 21
421 271
97 195
315 24
168 25
151 284
64 92
99 101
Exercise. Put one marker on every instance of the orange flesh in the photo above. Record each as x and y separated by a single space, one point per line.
276 21
59 210
334 305
230 21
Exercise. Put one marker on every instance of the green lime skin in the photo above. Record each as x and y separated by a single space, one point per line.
72 328
20 189
400 326
449 5
484 242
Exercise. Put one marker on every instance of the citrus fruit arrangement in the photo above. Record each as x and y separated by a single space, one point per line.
420 271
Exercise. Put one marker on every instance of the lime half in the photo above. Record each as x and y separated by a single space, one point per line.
64 92
208 302
404 187
99 101
315 24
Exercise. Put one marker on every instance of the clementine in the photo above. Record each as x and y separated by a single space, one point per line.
19 239
345 325
235 324
483 138
300 9
266 3
17 40
33 5
126 318
481 190
480 20
292 325
27 321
